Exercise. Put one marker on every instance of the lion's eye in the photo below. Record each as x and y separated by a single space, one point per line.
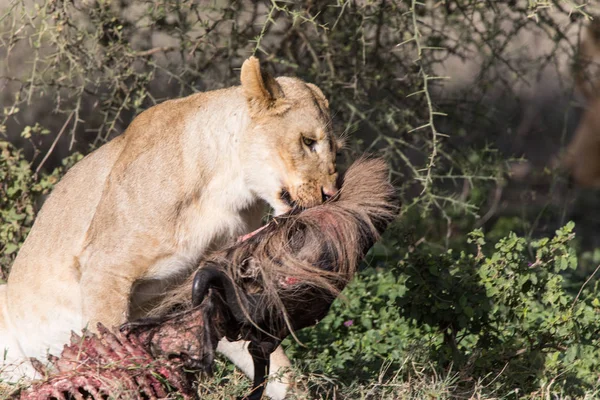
308 142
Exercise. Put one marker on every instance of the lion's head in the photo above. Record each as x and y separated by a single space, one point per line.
290 144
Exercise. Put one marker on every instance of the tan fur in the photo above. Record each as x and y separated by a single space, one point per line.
134 217
586 69
582 156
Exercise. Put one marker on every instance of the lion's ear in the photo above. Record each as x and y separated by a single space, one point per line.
319 95
262 91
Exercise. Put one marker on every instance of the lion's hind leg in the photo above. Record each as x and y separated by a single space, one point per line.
14 366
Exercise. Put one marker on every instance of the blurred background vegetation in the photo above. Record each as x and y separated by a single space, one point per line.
483 288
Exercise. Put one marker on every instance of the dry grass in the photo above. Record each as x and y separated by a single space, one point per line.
410 382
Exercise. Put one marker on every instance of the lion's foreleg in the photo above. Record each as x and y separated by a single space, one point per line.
105 299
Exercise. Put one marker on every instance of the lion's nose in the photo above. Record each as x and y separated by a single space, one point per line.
328 192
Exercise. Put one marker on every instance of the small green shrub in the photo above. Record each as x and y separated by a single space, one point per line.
16 203
21 192
497 314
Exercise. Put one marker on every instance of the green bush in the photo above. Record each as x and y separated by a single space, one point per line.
21 192
498 315
16 203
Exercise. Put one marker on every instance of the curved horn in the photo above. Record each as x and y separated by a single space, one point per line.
212 276
206 277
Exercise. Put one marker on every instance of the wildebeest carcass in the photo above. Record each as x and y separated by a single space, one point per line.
283 278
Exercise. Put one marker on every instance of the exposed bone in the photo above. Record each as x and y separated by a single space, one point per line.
144 360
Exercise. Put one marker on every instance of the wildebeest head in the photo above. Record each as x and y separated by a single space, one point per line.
286 276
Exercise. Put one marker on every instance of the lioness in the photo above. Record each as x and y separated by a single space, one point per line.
134 217
582 156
